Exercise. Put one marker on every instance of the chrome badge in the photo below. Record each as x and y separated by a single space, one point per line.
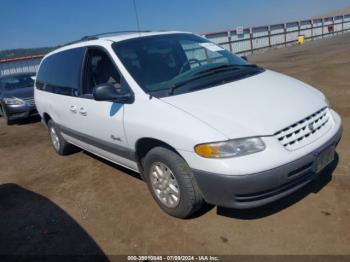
311 127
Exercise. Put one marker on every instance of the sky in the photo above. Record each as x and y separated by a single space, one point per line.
41 23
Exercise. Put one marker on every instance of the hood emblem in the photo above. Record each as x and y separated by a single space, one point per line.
311 127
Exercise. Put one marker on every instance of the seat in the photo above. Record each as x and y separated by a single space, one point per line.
106 73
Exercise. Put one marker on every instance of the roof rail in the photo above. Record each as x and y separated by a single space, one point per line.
114 33
96 36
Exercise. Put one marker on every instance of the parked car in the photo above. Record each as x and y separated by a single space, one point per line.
17 97
196 121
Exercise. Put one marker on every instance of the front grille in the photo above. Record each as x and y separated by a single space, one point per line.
30 101
305 131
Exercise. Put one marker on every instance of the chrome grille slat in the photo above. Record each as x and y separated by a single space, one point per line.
306 130
303 125
305 133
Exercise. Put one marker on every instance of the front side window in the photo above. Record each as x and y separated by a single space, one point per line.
60 73
100 70
17 81
178 63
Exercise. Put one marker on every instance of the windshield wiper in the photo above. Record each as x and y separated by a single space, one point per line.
226 67
205 73
176 86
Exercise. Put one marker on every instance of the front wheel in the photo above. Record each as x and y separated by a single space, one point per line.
8 121
171 183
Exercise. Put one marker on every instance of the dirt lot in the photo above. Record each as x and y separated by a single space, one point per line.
81 204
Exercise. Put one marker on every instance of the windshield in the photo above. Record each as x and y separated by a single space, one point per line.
17 81
162 63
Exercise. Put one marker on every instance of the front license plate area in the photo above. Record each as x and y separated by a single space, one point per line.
324 158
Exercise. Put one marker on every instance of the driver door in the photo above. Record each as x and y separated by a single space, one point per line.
103 122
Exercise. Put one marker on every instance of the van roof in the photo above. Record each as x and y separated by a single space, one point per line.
93 40
117 38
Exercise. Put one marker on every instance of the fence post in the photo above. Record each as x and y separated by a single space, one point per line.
333 26
251 39
229 40
285 34
322 27
342 24
312 29
269 34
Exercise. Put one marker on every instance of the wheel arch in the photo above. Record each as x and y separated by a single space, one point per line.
145 144
46 118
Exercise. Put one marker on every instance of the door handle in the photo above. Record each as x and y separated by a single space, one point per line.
82 111
73 109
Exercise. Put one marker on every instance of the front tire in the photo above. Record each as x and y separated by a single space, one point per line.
4 115
171 183
61 146
8 121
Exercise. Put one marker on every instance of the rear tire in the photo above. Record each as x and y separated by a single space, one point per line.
171 183
61 146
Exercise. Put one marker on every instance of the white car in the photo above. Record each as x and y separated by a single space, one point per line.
199 123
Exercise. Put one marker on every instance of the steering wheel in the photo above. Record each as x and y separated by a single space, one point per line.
190 62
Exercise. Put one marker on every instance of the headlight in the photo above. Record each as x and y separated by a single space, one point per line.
230 148
14 101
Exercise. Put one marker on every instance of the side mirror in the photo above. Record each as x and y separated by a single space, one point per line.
107 92
244 58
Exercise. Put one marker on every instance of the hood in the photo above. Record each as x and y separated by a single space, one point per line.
26 92
259 105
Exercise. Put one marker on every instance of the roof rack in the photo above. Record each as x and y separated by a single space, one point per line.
96 36
115 33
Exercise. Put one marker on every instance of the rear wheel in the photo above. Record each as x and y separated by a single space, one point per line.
61 146
171 183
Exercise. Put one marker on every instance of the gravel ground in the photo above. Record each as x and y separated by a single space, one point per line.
80 204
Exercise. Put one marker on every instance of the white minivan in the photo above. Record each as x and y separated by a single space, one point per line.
199 123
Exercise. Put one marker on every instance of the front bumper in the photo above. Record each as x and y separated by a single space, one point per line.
14 112
249 191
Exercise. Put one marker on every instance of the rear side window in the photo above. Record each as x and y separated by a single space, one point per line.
60 73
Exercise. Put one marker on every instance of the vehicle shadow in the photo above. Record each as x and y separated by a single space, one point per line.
206 207
32 225
116 166
260 212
